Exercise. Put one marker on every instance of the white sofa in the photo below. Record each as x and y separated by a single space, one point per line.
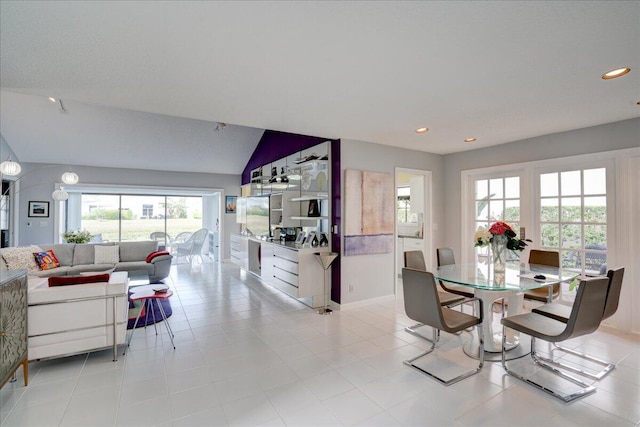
72 319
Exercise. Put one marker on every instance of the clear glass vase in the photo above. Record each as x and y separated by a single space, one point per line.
499 253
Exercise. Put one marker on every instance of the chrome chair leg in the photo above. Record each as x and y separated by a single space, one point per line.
608 367
585 390
460 377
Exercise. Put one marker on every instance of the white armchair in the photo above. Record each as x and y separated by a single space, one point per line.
193 246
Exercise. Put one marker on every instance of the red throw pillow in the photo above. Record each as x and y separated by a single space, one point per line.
152 255
77 280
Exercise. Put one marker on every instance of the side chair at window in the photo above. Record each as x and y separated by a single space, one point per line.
422 304
562 313
552 259
585 318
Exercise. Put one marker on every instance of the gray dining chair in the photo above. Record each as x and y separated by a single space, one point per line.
415 260
561 313
422 304
585 318
551 259
445 256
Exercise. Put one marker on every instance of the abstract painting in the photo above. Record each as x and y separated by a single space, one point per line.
369 212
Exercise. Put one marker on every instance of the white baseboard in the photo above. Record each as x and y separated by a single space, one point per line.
358 304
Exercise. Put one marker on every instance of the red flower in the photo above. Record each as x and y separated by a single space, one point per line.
499 228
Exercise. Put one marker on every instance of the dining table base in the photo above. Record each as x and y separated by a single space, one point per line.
516 348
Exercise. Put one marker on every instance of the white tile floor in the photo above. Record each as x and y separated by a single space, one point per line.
249 355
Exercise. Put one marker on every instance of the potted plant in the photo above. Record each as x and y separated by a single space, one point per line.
77 236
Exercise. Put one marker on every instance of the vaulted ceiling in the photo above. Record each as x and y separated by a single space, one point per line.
145 84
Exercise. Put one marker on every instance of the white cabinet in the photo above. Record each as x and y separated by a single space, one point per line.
294 271
240 251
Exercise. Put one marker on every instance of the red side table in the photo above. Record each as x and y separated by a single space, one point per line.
146 296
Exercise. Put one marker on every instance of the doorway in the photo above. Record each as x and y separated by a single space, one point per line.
413 214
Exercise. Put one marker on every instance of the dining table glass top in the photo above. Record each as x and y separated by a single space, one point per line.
517 276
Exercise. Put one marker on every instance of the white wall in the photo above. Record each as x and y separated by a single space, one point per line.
371 276
39 181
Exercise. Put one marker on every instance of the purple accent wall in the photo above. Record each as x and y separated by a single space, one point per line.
275 145
336 219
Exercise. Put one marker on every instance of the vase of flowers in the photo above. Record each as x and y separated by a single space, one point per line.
501 237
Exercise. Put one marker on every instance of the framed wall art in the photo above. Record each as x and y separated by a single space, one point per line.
230 204
39 209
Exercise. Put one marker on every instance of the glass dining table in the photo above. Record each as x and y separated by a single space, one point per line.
510 286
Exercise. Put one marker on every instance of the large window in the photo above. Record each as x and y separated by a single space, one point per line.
115 217
573 218
496 199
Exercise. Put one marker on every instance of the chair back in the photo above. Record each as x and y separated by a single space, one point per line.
613 296
415 260
421 301
590 300
198 238
445 256
182 237
550 258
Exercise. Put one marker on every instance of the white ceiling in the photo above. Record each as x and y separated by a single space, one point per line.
144 82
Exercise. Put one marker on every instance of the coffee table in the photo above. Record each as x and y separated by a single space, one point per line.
138 278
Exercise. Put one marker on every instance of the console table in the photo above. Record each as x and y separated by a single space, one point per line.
13 324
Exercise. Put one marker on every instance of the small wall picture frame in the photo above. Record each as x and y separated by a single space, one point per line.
38 209
230 204
300 239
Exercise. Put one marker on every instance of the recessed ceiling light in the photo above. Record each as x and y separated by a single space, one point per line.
618 72
52 99
422 130
469 140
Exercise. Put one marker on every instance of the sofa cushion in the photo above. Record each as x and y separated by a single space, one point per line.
46 260
107 254
84 253
154 254
135 265
60 271
64 252
77 280
137 251
21 258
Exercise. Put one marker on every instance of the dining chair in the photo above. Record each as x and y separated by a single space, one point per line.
562 313
585 318
422 304
415 260
552 259
445 256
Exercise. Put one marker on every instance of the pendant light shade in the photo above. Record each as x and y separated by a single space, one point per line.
60 195
10 168
70 178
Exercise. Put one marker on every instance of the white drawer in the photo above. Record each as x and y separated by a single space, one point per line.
289 254
285 264
285 276
285 287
